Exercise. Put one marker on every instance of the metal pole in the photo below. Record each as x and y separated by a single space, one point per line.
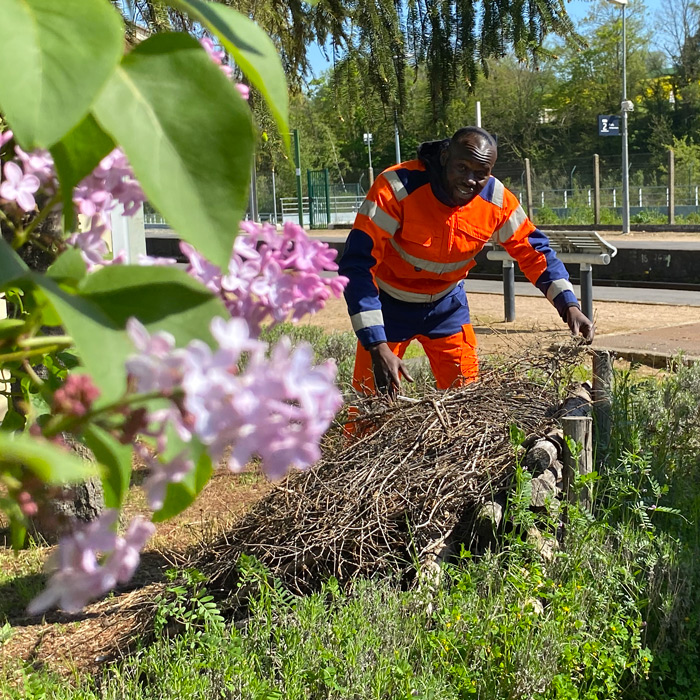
327 185
671 187
528 187
253 196
312 200
509 290
371 171
297 164
478 113
587 290
397 142
274 194
625 152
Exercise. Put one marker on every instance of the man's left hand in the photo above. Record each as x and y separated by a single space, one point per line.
580 324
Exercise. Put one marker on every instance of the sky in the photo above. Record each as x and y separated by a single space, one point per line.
577 9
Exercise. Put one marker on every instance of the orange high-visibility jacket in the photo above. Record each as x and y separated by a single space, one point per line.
407 244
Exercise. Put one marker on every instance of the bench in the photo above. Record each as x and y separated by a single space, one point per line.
584 248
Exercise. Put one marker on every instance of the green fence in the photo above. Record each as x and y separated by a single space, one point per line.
319 198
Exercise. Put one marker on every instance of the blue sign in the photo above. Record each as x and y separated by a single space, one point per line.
608 125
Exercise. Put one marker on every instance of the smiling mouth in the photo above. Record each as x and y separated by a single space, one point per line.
467 192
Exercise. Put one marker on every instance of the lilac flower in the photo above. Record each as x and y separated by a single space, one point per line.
39 163
19 187
91 243
271 276
200 268
217 55
6 136
244 90
112 182
151 261
156 367
79 575
276 408
161 474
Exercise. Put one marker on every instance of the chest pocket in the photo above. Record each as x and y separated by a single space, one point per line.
418 233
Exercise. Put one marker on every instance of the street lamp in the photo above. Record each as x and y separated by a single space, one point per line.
625 106
367 138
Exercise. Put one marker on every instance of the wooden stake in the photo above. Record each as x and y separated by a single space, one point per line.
602 400
578 429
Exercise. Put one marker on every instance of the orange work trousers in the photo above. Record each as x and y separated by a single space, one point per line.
452 359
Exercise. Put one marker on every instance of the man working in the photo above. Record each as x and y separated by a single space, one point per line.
414 240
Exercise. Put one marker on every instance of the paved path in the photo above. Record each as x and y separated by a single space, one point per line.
621 294
655 347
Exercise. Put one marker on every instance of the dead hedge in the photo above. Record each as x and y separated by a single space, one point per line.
377 504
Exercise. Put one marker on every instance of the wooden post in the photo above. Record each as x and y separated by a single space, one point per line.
528 187
602 400
578 429
596 189
671 187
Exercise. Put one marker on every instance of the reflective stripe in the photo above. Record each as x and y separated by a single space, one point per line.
498 190
430 265
365 319
515 221
395 181
413 297
379 216
557 287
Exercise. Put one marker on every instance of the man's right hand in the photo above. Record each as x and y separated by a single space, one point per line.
388 369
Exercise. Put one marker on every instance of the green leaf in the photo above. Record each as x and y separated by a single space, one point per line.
69 267
253 51
18 534
116 458
182 494
55 56
162 298
75 156
10 327
102 346
50 463
188 135
12 267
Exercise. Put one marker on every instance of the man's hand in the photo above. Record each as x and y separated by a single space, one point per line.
580 324
388 369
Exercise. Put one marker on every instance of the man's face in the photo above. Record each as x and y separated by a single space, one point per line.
467 167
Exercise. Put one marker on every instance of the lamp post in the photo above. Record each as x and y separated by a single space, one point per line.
625 106
367 138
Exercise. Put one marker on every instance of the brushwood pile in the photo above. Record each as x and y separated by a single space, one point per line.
415 475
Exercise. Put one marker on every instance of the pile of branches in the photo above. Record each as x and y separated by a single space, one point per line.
392 497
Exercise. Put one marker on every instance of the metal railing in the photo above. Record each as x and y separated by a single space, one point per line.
343 208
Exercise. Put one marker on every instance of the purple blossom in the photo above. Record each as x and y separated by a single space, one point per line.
271 276
19 187
5 137
217 55
92 244
151 261
112 182
244 90
39 163
157 367
161 474
276 408
80 576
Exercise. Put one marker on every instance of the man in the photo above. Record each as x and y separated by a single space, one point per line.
414 240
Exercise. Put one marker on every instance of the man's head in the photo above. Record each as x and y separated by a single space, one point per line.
467 163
